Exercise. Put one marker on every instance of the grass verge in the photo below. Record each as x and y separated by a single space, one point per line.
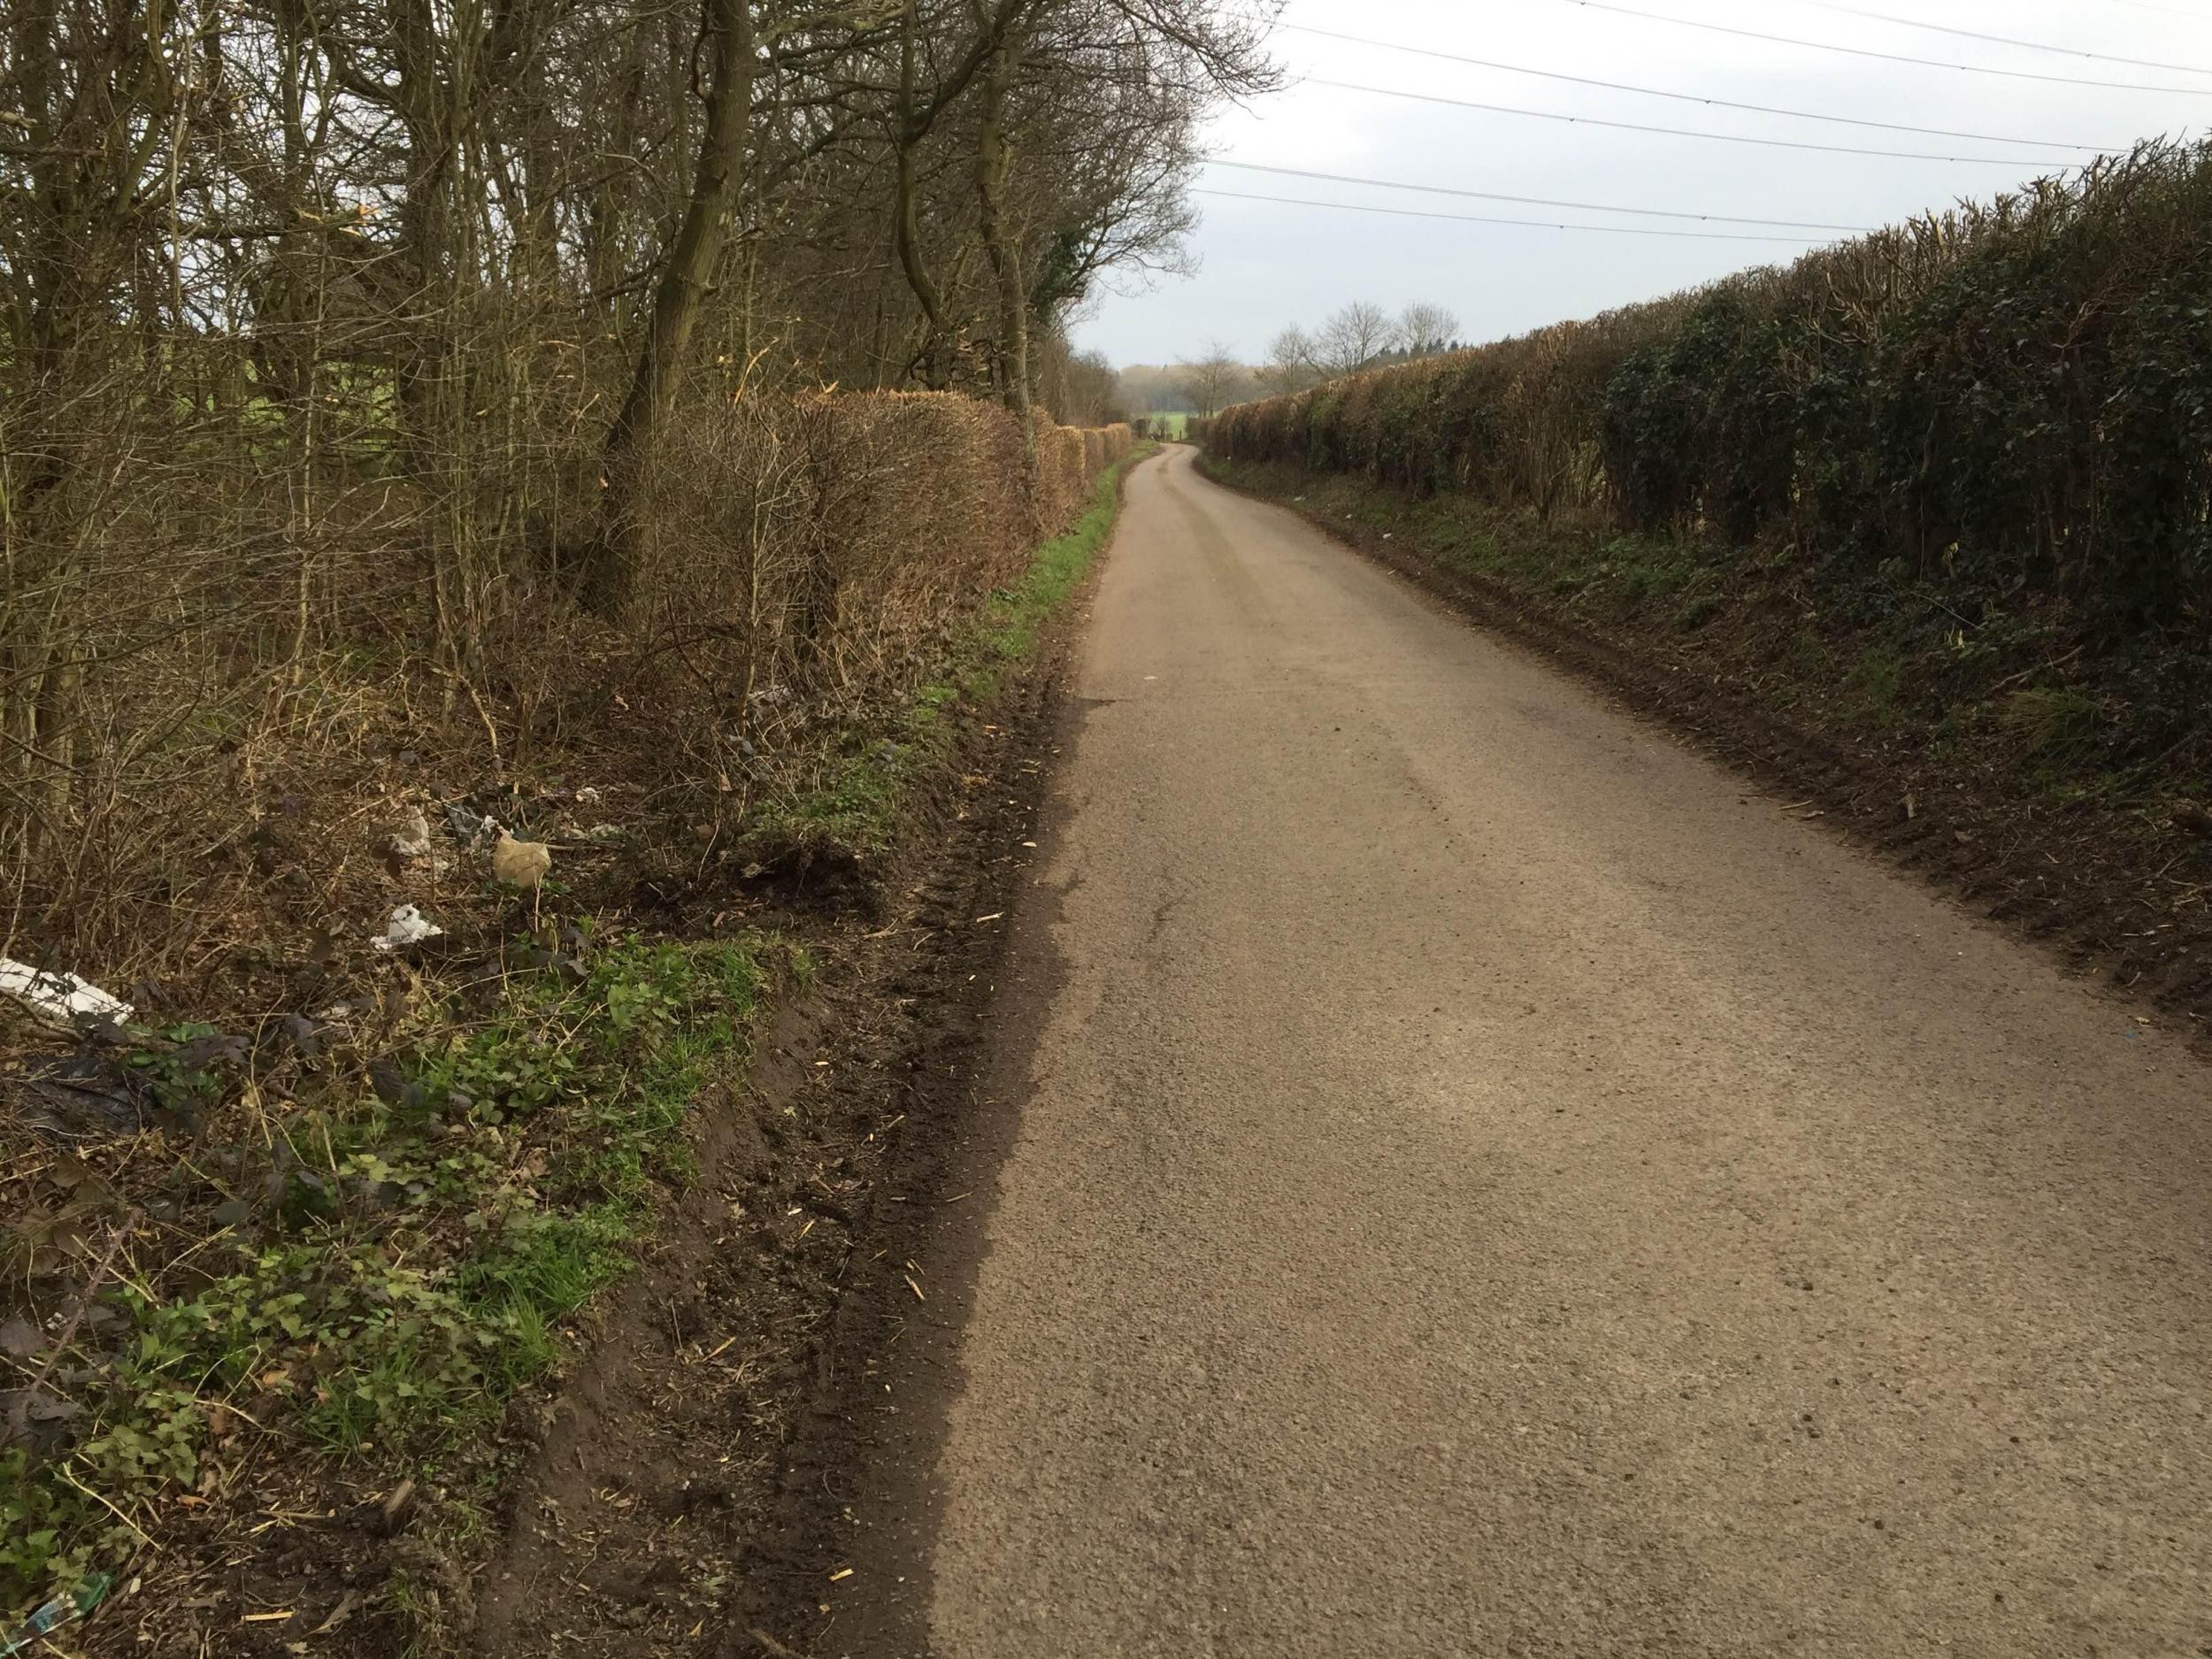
398 1242
362 1233
1906 661
853 811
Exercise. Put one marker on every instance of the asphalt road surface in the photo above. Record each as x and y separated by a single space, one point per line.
1492 1183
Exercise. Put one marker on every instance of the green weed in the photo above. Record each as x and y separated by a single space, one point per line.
443 1240
1697 611
1874 683
853 808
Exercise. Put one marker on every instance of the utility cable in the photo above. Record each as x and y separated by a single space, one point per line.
1534 201
2007 39
1685 131
2171 11
1478 219
1888 58
1691 97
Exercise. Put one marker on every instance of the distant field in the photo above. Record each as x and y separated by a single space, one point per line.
1177 421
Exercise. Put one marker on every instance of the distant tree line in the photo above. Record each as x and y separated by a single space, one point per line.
1358 336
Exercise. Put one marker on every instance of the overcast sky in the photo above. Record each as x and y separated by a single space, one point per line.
1263 266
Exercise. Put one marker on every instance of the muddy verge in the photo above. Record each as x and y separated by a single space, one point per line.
684 1483
690 1487
2108 893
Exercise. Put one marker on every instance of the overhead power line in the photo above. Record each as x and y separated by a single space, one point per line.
1888 58
1691 97
1687 131
1532 201
2171 11
2007 39
1480 218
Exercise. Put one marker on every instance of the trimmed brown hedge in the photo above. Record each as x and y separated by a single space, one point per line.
802 557
848 526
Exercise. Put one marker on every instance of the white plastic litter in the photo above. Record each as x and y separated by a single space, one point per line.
412 839
407 927
57 996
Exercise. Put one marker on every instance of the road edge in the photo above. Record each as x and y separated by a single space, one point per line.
1983 856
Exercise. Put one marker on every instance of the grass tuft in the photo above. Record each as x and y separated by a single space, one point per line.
407 1270
852 812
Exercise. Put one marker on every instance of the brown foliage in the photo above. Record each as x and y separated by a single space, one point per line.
247 702
323 324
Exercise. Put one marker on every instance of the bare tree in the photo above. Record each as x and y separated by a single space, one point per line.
1210 381
405 309
1290 364
679 297
1354 337
1080 387
1426 329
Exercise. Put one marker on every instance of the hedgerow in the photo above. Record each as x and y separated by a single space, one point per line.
2015 398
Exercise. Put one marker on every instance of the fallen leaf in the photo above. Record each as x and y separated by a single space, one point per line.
522 863
339 1615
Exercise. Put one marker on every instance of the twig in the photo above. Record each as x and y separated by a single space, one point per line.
100 1498
18 1414
2037 668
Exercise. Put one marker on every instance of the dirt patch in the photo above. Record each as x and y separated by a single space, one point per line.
2111 891
686 1484
725 1087
691 1489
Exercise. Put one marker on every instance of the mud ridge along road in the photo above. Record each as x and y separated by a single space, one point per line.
1485 1180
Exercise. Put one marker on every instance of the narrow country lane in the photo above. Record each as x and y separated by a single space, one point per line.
1490 1183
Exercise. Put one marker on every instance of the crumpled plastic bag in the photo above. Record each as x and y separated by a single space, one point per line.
406 926
61 997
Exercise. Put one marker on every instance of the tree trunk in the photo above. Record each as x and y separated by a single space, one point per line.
993 164
905 234
608 577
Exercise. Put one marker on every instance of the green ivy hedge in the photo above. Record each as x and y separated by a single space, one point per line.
2019 395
